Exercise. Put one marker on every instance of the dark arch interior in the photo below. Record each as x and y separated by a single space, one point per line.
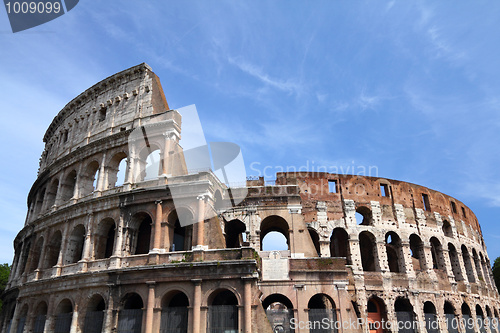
315 239
277 298
143 234
365 215
465 309
181 238
429 308
234 230
97 303
403 305
320 301
367 248
65 306
177 300
225 297
339 244
479 311
133 301
448 308
392 246
274 223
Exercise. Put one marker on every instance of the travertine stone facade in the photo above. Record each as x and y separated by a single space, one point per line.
102 249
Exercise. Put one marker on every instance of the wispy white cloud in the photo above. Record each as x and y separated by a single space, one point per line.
290 86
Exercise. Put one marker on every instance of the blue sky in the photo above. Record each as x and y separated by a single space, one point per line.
408 87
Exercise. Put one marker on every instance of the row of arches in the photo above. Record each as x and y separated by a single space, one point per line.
222 315
53 249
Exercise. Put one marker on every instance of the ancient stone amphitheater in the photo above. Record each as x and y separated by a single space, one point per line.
103 248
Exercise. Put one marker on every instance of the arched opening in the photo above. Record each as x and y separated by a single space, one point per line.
467 322
142 222
223 312
52 254
404 315
74 252
105 239
451 318
40 317
235 233
152 164
315 239
455 262
182 220
480 319
468 264
367 247
364 216
492 324
393 250
477 264
89 179
94 318
68 186
130 316
39 201
64 316
21 322
274 234
279 312
447 230
117 170
376 314
51 193
339 244
486 270
321 310
437 255
417 253
431 322
35 255
174 313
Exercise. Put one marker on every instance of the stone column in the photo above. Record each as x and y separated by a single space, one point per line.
15 318
62 250
150 307
196 306
119 236
157 229
247 304
353 244
381 256
87 247
167 147
324 246
100 186
74 320
343 302
406 258
201 221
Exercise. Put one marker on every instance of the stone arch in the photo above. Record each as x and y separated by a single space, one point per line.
130 314
404 313
321 308
235 233
21 320
394 252
274 223
141 225
51 193
174 312
53 249
417 253
40 317
377 312
437 254
466 318
94 316
64 316
35 255
368 249
105 239
279 311
364 216
40 196
88 181
315 240
150 163
182 220
468 264
430 315
222 311
446 228
455 262
68 186
339 244
480 319
76 241
477 265
117 169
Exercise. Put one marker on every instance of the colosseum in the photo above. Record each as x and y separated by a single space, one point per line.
106 249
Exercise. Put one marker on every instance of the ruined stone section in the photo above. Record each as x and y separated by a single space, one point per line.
103 249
